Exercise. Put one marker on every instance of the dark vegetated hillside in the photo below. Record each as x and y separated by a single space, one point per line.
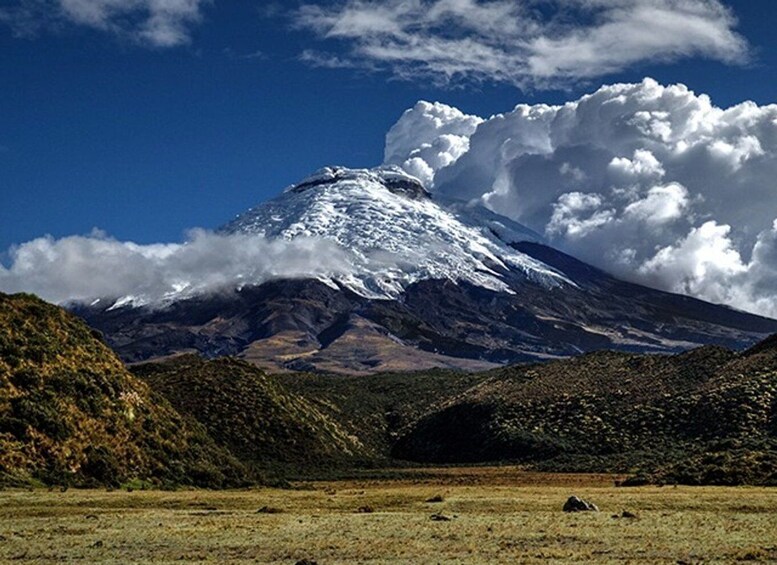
70 412
380 408
706 416
253 415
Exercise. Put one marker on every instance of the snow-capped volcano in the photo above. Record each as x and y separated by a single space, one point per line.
364 270
396 234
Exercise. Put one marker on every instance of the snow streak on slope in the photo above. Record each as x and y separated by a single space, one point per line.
395 234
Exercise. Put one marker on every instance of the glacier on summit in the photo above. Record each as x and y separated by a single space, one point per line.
395 233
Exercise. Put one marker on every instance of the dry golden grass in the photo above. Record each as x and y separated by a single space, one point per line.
497 516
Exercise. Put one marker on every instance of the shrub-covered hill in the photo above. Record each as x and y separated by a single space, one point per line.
706 416
71 413
252 415
378 408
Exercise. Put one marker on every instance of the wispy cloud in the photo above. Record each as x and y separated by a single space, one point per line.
153 23
529 43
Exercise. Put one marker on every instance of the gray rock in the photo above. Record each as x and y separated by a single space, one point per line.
575 504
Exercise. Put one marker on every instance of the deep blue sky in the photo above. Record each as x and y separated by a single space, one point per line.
144 143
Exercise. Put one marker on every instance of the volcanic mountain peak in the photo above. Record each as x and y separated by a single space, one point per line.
389 277
395 234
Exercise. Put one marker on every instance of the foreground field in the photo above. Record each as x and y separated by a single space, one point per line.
496 516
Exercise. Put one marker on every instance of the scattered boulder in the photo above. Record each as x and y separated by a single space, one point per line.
435 499
366 509
269 510
440 518
627 514
306 562
575 504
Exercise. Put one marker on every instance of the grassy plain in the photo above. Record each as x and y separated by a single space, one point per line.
497 515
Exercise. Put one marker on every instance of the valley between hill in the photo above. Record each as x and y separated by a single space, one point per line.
72 414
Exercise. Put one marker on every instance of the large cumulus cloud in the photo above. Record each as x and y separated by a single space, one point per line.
429 137
653 183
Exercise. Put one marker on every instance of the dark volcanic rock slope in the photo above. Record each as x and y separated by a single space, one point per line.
307 325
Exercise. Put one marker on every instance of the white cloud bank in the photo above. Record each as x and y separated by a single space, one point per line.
83 268
155 23
529 43
652 183
429 137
